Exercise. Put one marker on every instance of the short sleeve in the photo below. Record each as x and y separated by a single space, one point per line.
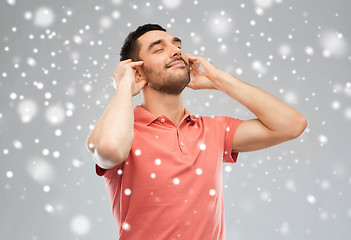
231 125
108 173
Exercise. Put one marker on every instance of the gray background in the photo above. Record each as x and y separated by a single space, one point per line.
57 58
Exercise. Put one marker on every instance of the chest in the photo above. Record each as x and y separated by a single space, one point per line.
180 161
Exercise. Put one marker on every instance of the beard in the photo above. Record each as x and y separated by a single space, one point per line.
169 81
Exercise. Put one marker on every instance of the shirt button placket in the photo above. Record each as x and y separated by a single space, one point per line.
181 143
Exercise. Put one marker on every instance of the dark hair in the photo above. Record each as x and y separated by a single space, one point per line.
130 48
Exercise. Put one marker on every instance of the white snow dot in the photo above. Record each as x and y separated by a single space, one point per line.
45 152
77 39
153 175
332 44
56 154
9 174
44 17
17 144
265 196
228 168
80 225
176 181
198 171
76 163
116 15
158 161
46 188
239 71
58 132
41 171
322 139
31 62
311 199
126 226
105 22
323 215
55 115
49 208
27 109
284 228
325 184
138 152
259 11
336 105
309 50
284 50
290 97
202 146
11 2
87 88
290 185
127 192
212 192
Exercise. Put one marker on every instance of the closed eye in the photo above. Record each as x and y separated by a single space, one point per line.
158 50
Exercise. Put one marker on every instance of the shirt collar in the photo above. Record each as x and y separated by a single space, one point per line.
141 115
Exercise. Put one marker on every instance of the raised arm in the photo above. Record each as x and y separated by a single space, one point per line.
276 121
111 139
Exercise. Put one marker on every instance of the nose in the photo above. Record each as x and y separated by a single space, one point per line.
175 51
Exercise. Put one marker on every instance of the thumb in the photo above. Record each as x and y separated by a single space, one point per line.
192 85
141 83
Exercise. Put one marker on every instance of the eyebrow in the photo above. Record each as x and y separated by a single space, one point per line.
174 40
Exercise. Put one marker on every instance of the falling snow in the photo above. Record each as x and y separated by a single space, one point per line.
80 225
56 66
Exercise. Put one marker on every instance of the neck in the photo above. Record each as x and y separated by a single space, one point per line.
159 103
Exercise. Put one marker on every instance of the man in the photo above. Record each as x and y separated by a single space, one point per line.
163 166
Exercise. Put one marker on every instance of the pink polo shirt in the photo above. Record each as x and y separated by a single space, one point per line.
170 185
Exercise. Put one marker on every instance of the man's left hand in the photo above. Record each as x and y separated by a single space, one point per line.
205 75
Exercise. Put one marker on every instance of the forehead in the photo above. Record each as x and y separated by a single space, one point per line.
147 38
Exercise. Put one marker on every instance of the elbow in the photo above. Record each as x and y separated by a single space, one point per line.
298 127
108 155
105 154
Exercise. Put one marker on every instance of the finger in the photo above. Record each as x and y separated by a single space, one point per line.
195 68
124 62
127 60
191 57
136 64
141 83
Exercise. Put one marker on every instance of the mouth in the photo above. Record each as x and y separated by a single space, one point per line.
178 63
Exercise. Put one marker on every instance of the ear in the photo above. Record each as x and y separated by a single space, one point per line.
139 75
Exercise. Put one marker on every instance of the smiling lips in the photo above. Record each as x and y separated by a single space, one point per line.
178 63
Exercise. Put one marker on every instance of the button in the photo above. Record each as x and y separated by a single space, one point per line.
163 120
181 143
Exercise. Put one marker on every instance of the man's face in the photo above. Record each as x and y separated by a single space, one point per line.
165 67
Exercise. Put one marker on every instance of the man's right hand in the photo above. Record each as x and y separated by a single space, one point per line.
126 73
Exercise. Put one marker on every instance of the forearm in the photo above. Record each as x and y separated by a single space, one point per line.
271 111
113 134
